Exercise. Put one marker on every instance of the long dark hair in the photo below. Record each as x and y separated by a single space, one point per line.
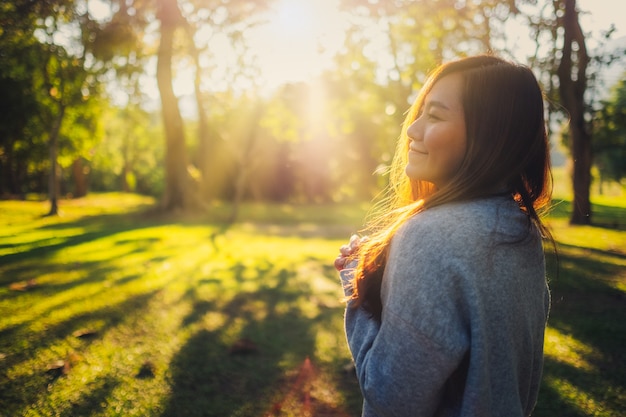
507 145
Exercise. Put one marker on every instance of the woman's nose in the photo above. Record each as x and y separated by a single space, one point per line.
414 130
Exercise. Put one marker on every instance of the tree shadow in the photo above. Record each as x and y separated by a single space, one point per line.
52 293
31 385
95 228
603 216
207 377
94 396
108 317
551 401
586 307
210 378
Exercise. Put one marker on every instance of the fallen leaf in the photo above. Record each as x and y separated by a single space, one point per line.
85 333
146 371
243 347
23 285
58 368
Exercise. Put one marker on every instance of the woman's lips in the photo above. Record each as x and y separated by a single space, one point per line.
414 150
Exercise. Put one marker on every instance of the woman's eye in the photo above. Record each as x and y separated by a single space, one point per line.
431 116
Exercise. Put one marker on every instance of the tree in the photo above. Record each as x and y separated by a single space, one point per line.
572 74
565 67
68 79
128 157
364 118
54 76
178 184
180 191
20 106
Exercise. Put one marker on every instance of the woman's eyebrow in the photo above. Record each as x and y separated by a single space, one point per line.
436 103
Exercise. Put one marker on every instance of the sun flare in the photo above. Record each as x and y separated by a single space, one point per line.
299 40
291 17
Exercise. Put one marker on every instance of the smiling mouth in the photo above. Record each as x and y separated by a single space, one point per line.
417 151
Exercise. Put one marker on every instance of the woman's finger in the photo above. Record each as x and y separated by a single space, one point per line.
340 262
346 250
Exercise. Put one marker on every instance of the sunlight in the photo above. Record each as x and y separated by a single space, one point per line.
298 41
295 43
99 10
294 17
576 397
566 349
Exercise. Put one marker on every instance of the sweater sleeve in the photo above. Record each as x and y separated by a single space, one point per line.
404 361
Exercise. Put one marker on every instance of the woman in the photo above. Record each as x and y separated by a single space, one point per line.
447 298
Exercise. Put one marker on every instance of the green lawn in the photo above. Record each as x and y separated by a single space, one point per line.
114 310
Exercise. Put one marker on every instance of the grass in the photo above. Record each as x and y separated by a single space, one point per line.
111 309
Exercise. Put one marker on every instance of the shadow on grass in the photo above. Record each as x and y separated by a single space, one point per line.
268 304
95 228
609 217
96 395
209 378
586 307
51 295
18 392
552 401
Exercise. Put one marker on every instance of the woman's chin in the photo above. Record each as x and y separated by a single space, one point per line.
413 172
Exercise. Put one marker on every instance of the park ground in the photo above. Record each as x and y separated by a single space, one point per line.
112 309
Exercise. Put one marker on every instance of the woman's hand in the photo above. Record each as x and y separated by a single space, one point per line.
347 251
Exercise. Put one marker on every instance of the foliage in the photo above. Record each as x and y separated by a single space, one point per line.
128 157
364 117
22 144
609 128
115 309
48 78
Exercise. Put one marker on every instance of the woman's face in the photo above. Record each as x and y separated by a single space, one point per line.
438 136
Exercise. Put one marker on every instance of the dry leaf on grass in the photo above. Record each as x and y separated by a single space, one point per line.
243 347
146 371
23 285
85 333
58 368
62 367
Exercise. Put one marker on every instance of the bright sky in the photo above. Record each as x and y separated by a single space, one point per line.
301 36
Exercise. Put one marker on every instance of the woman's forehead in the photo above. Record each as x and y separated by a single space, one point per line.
445 93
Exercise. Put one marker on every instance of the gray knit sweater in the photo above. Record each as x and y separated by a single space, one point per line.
465 304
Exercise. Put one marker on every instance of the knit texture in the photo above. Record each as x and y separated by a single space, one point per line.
465 305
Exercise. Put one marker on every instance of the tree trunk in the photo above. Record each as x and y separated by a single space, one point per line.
177 193
53 180
246 161
124 177
80 179
572 85
581 175
204 138
9 173
203 156
125 164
